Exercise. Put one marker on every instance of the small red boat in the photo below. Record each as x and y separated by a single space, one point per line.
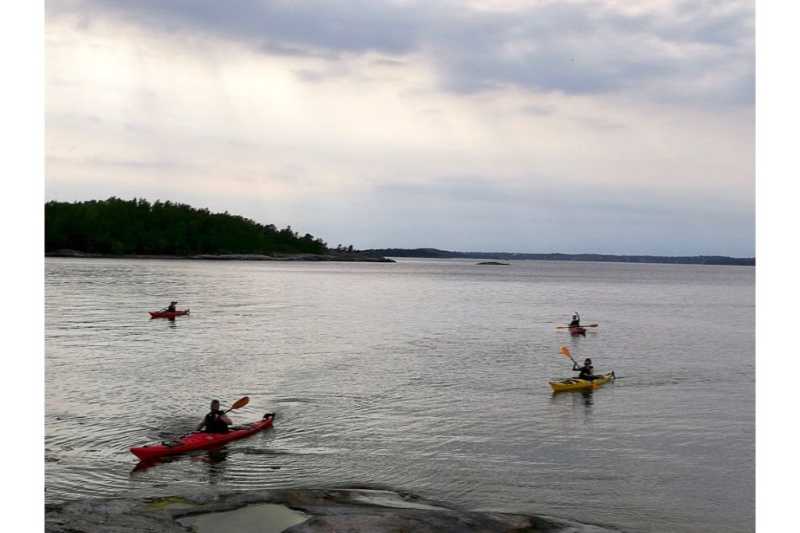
200 440
168 314
577 330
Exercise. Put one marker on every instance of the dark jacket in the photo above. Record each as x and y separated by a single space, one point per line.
214 424
586 371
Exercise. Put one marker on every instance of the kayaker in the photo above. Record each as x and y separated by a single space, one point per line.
576 320
586 371
216 421
171 307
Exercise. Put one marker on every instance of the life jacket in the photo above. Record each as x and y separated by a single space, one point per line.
213 424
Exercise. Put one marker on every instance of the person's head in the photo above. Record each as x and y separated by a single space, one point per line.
215 405
587 362
173 303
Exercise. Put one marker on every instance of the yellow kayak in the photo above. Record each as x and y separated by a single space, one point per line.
576 384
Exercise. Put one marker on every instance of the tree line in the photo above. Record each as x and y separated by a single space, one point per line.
125 227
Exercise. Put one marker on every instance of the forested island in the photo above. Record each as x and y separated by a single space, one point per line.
117 227
139 228
444 254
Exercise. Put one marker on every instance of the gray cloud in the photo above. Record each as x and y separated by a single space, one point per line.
543 194
566 47
596 191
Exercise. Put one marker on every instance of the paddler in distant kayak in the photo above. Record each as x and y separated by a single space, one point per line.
216 421
576 320
171 307
586 371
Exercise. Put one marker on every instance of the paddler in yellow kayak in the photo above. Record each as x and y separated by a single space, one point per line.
216 421
586 371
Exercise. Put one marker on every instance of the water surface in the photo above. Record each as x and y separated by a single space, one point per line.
425 375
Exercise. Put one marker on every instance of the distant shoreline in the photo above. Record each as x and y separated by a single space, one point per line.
433 253
373 256
344 257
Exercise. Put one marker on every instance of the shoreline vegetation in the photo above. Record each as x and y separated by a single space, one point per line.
138 229
354 256
165 230
434 253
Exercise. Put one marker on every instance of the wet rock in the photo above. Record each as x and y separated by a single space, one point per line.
312 511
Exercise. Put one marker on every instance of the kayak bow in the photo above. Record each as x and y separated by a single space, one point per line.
200 440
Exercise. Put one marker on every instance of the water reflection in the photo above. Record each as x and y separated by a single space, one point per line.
143 466
588 397
216 461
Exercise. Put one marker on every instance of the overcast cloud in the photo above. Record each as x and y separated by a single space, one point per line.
531 126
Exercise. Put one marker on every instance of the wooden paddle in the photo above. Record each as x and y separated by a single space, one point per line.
581 326
238 404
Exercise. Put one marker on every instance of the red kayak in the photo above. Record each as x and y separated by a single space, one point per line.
577 330
200 440
168 314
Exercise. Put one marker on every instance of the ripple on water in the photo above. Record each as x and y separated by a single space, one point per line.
426 376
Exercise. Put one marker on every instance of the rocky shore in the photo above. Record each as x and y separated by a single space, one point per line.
176 510
335 256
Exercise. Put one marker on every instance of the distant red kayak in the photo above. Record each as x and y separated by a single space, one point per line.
577 330
200 440
168 314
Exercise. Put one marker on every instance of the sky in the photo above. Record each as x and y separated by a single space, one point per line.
607 126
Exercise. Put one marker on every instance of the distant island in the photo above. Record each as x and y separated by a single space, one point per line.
138 228
498 263
446 254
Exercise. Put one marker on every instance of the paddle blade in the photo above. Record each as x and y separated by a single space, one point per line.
566 353
241 402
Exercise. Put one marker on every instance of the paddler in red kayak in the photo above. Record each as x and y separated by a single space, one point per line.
216 421
586 371
576 320
171 307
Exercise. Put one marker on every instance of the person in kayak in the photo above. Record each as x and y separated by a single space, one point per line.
586 371
216 421
171 307
576 320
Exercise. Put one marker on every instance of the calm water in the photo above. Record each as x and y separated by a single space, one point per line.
427 376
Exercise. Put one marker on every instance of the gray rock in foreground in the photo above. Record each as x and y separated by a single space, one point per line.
331 510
